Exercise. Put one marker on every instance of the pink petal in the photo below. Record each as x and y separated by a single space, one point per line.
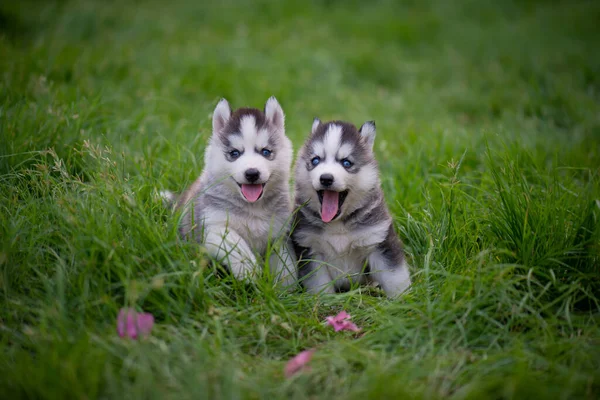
145 322
337 325
132 331
298 363
121 319
342 322
133 324
350 326
342 315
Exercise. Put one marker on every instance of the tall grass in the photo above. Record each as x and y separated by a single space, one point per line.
488 144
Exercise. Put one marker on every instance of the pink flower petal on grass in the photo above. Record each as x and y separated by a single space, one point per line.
145 322
342 315
132 324
341 322
122 322
337 325
298 363
350 326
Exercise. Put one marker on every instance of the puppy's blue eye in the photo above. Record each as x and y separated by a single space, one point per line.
315 161
266 152
234 153
346 163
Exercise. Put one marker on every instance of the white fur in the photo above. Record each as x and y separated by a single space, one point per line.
331 152
315 125
344 151
343 252
392 280
248 126
331 142
221 115
360 183
247 143
274 113
167 196
262 139
282 263
224 243
319 281
367 131
236 239
340 252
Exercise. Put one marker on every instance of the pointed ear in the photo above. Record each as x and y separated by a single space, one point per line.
367 132
316 123
274 113
221 115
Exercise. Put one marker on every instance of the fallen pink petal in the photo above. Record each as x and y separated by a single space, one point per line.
341 322
298 363
132 324
342 315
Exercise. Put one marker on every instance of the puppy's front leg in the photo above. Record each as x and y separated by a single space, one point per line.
283 264
229 248
390 271
315 277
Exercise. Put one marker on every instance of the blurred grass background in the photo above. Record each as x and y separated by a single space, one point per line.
488 120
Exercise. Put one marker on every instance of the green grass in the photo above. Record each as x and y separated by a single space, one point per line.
488 117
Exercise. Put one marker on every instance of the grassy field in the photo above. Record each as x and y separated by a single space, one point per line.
488 117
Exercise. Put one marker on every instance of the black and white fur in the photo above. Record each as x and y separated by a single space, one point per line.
359 244
247 147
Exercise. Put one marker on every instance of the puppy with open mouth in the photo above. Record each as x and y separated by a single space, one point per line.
343 230
241 201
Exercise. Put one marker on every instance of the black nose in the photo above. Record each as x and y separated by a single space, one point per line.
252 174
326 180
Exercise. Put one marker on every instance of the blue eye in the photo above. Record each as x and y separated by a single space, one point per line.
346 163
266 152
315 161
234 153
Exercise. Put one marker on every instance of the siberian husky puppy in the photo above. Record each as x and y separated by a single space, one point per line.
241 201
343 230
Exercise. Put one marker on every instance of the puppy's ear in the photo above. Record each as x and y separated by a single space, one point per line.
315 125
221 115
274 114
367 132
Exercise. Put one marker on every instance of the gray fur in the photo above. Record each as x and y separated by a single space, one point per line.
359 244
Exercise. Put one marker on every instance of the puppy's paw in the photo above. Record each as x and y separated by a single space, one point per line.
243 270
168 198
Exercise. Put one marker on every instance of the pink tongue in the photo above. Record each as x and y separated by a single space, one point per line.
329 207
251 192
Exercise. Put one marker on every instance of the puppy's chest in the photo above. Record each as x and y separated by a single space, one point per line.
338 244
256 229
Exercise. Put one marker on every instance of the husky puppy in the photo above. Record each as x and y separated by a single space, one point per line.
241 201
343 230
